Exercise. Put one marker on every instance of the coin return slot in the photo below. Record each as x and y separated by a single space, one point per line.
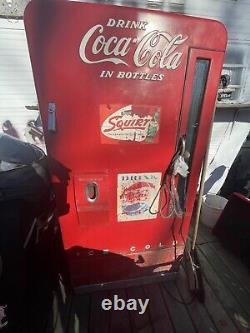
91 192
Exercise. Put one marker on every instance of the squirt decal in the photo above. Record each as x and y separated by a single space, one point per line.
136 193
129 123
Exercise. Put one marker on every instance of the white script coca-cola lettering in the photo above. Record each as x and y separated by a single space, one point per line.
155 49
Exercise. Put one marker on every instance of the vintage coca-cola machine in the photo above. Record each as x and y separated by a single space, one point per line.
126 97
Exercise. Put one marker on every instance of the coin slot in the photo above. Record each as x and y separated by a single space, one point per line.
91 192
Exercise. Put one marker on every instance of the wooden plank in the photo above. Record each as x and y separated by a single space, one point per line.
140 323
178 312
230 304
161 321
238 269
197 311
216 311
99 318
120 321
227 277
205 234
234 264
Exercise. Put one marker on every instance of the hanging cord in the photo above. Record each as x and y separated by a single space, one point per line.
177 299
169 204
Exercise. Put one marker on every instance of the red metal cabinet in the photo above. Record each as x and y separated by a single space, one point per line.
117 88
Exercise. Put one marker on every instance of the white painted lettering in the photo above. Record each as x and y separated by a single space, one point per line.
111 22
120 75
107 46
127 24
96 48
142 25
134 25
120 24
154 49
145 51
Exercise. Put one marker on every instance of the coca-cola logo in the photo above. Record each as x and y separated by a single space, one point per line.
132 123
155 49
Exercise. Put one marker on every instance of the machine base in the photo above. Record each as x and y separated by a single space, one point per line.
159 277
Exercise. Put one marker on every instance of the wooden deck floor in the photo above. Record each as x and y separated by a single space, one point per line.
226 308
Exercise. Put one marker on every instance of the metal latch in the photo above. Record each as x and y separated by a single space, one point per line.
52 117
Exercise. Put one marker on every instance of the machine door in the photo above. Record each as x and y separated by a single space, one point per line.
117 88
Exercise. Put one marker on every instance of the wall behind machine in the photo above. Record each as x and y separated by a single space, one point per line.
18 101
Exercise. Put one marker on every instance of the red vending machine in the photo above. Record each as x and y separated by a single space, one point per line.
127 98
